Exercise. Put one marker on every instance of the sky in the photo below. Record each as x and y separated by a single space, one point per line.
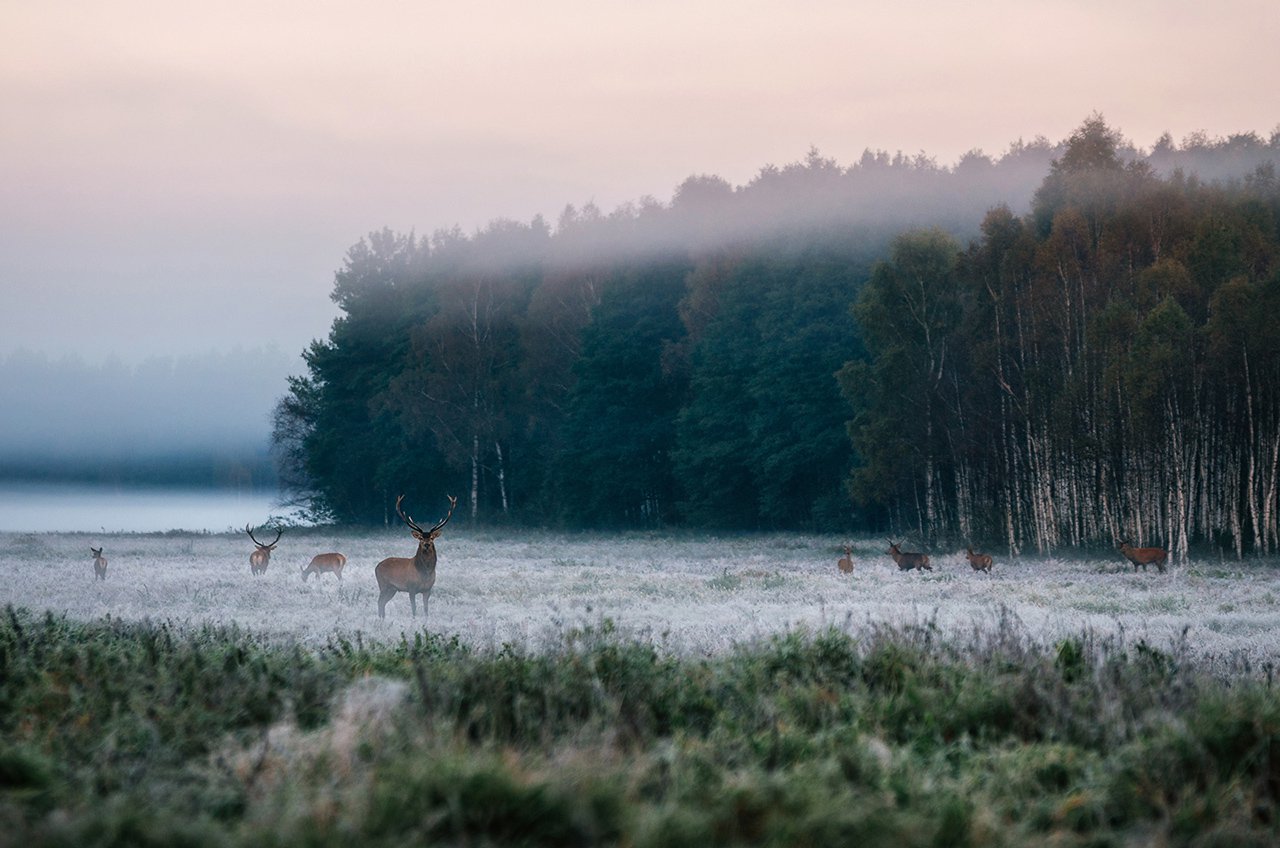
179 178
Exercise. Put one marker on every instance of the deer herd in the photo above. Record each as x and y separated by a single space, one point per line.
907 561
416 575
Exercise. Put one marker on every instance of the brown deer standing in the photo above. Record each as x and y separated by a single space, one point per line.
846 561
99 564
325 564
415 575
908 561
980 562
1144 556
258 559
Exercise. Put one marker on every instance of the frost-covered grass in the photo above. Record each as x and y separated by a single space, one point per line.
690 594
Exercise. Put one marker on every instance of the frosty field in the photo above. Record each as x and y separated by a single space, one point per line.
689 594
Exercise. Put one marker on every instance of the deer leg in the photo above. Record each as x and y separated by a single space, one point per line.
413 604
385 595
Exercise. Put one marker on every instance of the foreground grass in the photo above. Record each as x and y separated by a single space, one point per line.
114 733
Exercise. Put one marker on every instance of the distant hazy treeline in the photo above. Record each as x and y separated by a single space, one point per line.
197 420
1072 375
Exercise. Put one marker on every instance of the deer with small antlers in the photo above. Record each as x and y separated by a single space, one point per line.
1144 556
416 574
325 564
846 562
258 559
980 562
99 564
908 561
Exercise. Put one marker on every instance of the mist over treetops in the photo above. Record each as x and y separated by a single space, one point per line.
994 324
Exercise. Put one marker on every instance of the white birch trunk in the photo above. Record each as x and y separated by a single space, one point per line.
502 477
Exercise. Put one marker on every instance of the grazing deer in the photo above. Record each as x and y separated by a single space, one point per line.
99 564
415 575
325 564
908 561
258 559
980 562
1144 556
846 561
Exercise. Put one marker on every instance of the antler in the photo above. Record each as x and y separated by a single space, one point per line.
279 533
406 519
453 502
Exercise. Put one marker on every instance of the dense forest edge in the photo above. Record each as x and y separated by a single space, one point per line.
119 733
1070 345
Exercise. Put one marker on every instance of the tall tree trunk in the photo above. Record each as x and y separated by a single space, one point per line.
1251 479
475 476
502 476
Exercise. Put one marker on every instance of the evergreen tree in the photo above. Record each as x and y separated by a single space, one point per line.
615 469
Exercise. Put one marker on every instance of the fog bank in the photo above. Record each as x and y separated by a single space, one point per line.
164 417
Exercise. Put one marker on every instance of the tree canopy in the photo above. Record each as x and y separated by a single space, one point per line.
1069 344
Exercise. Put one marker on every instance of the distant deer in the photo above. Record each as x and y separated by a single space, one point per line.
325 564
980 562
99 564
908 561
415 575
1144 556
846 561
258 559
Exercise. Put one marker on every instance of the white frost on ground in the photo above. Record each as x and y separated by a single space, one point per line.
688 593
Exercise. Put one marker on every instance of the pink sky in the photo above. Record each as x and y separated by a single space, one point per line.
180 177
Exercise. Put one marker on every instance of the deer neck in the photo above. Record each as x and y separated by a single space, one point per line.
425 559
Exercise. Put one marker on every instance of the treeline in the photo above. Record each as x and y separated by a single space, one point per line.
1106 367
200 420
676 363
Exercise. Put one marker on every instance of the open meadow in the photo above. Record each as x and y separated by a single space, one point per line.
689 594
637 690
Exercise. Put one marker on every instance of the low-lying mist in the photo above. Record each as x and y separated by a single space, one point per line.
165 419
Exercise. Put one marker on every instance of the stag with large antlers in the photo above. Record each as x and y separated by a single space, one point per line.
1144 556
258 559
99 564
908 561
415 575
325 564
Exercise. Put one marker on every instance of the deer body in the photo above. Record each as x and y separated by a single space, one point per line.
259 558
325 564
980 562
908 561
99 564
416 574
1144 556
846 562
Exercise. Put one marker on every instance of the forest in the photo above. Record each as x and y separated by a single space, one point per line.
1069 345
